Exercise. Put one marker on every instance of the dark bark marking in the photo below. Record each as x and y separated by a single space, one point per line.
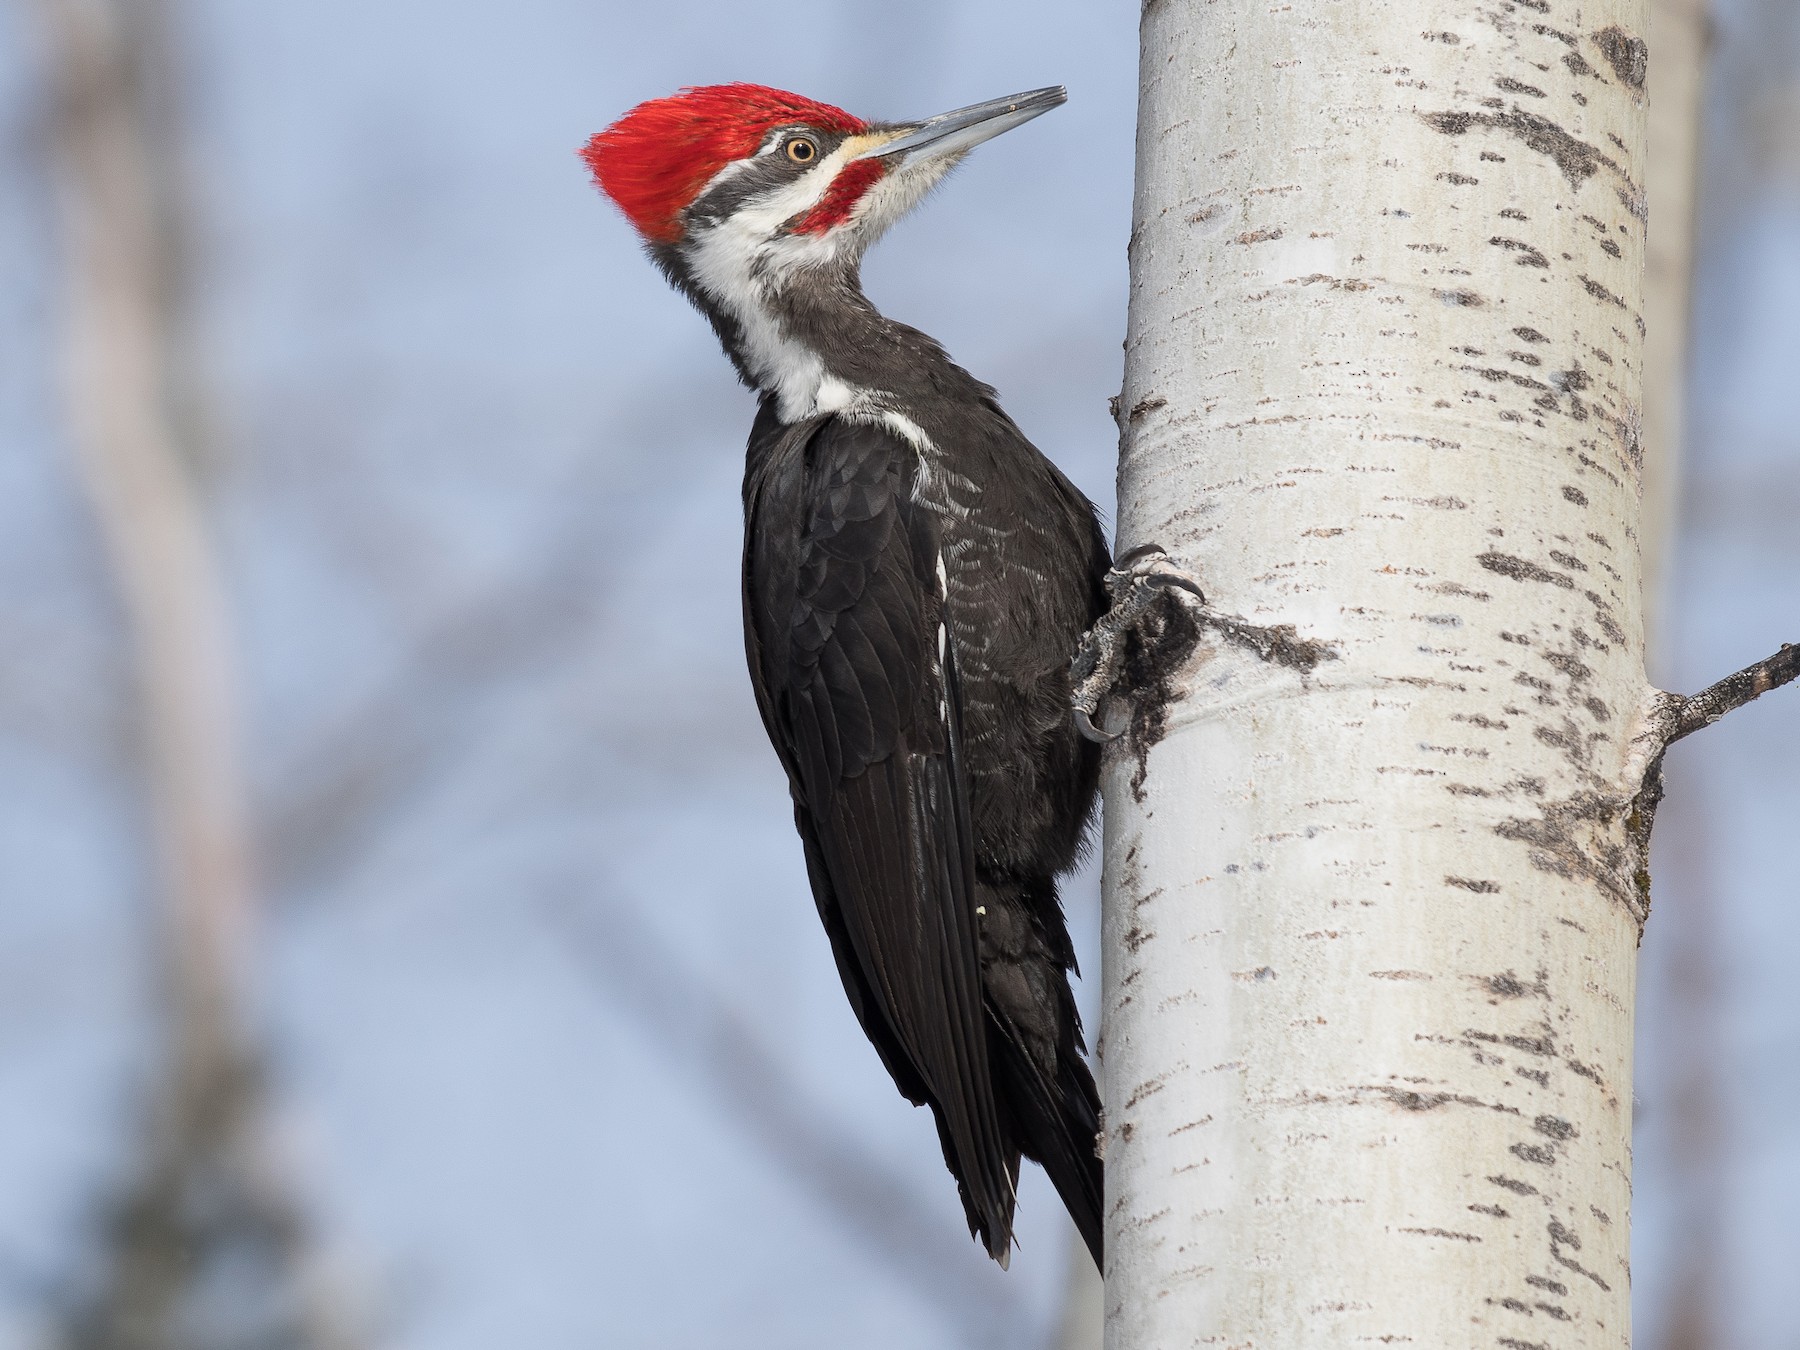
1578 160
1528 256
1600 292
1509 985
1149 1088
1567 1264
1578 837
1444 1233
1155 651
1627 55
1478 887
1520 570
1518 1188
1573 380
1568 665
1512 86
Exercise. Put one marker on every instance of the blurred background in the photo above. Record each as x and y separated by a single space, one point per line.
403 938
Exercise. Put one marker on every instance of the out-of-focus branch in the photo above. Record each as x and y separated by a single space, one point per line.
1680 39
1690 1101
204 1244
689 1019
121 309
1680 42
359 768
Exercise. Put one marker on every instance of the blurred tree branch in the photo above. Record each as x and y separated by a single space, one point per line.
691 1020
205 1247
1680 41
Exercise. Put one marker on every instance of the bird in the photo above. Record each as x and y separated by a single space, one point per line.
916 578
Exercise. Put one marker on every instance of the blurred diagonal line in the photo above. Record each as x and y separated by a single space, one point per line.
409 731
699 1026
1691 1050
399 738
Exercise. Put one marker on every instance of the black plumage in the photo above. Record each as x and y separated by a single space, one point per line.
939 790
916 578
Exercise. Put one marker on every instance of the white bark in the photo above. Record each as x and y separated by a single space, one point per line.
1370 928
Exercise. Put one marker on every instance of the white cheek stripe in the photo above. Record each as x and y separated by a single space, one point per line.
732 261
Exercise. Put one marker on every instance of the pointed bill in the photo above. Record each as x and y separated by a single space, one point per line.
952 133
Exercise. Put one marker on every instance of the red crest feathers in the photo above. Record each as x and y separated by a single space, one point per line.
655 159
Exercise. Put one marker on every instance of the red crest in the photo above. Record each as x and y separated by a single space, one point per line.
654 160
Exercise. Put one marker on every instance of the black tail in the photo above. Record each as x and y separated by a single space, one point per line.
1049 1108
1056 1123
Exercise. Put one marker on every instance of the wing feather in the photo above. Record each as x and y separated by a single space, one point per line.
843 605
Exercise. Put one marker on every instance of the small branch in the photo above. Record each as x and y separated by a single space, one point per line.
1731 693
1663 719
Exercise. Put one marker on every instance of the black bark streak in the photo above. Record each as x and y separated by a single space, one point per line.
1155 650
1280 644
1575 837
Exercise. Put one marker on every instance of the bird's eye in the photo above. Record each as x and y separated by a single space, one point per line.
803 149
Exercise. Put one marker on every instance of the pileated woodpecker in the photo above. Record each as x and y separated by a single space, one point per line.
916 578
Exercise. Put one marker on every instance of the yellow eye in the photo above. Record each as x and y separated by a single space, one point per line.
803 150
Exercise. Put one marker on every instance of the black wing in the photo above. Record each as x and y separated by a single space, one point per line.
855 678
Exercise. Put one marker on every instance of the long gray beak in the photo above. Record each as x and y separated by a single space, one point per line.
952 133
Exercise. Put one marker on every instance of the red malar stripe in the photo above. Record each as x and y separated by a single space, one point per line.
840 199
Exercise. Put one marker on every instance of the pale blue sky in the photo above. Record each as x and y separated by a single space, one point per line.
481 525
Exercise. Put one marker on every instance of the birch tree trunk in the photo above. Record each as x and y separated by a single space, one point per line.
1374 886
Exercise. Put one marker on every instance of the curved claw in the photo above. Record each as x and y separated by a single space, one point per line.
1085 725
1164 581
1123 562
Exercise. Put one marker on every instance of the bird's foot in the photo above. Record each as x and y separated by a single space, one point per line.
1139 580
